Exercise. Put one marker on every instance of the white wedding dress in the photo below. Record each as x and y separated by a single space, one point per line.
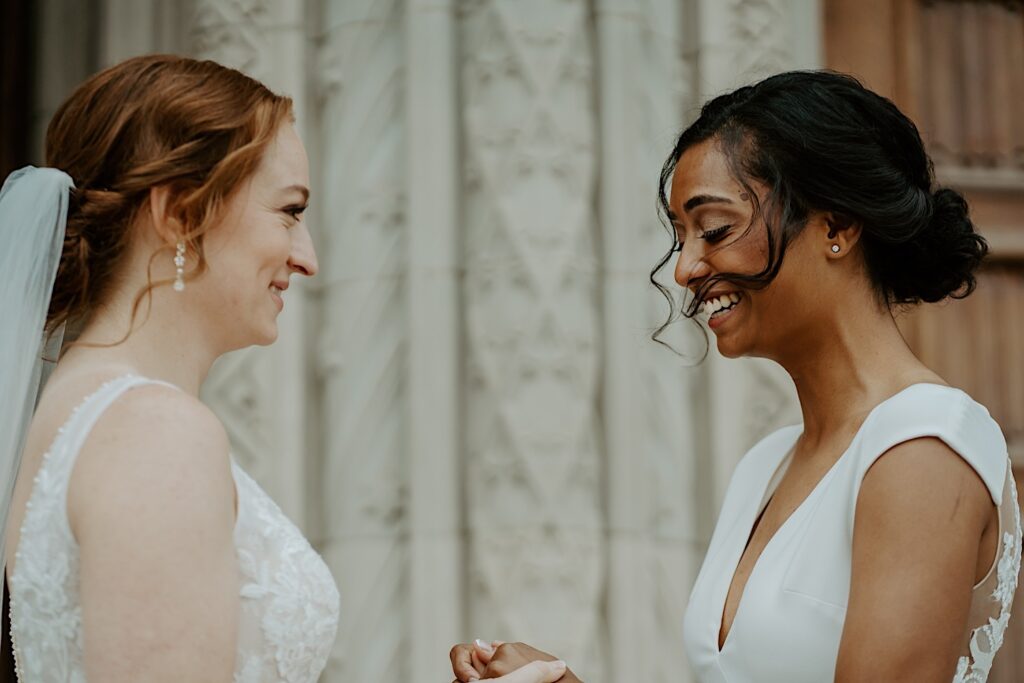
789 622
288 598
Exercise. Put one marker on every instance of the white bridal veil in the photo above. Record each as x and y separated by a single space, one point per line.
33 211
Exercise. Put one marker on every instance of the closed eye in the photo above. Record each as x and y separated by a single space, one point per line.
715 235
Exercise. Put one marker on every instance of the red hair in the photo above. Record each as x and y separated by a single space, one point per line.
195 126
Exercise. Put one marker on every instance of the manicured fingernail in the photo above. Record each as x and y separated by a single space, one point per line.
558 664
482 645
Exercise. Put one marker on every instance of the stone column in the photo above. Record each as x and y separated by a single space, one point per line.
650 416
435 563
532 322
362 353
136 27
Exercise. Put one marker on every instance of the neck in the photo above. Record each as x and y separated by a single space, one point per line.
164 344
848 368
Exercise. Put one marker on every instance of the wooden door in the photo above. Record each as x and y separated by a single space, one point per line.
957 68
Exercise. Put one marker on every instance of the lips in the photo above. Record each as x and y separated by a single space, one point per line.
276 288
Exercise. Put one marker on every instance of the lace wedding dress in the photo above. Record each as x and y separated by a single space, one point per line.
289 601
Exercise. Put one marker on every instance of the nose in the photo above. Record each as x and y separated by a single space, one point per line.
690 266
302 259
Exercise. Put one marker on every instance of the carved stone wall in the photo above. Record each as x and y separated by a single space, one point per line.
361 352
648 413
533 443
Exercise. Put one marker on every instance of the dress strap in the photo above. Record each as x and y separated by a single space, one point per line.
933 410
84 417
60 458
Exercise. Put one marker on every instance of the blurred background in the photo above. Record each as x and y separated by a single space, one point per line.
464 411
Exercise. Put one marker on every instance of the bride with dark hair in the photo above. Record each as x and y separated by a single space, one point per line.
879 540
164 233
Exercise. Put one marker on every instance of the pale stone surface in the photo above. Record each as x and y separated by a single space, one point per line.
534 469
362 354
464 410
432 183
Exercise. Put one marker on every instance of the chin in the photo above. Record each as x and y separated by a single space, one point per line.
728 348
264 336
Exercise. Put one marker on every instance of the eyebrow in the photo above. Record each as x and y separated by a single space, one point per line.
301 189
701 199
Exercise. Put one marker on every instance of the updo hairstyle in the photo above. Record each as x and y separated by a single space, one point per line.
196 126
822 142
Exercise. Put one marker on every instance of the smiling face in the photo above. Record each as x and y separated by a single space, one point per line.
261 242
720 233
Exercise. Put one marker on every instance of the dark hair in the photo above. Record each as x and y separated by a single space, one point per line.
821 141
196 126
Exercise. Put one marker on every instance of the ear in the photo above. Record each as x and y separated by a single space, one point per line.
168 227
839 229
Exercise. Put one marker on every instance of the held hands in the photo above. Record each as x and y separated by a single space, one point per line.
507 663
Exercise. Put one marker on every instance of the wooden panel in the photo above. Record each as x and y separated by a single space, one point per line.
977 142
1013 40
970 97
860 40
977 344
941 117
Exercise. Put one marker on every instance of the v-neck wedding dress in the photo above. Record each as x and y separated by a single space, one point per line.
288 600
789 621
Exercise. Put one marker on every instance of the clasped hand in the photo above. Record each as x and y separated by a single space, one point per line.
507 663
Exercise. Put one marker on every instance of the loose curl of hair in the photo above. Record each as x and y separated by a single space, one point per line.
197 127
822 142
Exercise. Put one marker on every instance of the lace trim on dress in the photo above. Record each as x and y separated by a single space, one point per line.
45 572
286 586
988 638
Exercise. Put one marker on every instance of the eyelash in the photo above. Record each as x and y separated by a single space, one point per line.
712 236
715 235
294 211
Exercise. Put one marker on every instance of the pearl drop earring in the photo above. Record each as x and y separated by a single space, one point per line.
179 264
835 248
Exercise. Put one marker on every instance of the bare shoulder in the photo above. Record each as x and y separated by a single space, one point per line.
164 410
921 515
152 508
153 445
925 475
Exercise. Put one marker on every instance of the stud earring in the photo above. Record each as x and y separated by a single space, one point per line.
179 265
835 248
